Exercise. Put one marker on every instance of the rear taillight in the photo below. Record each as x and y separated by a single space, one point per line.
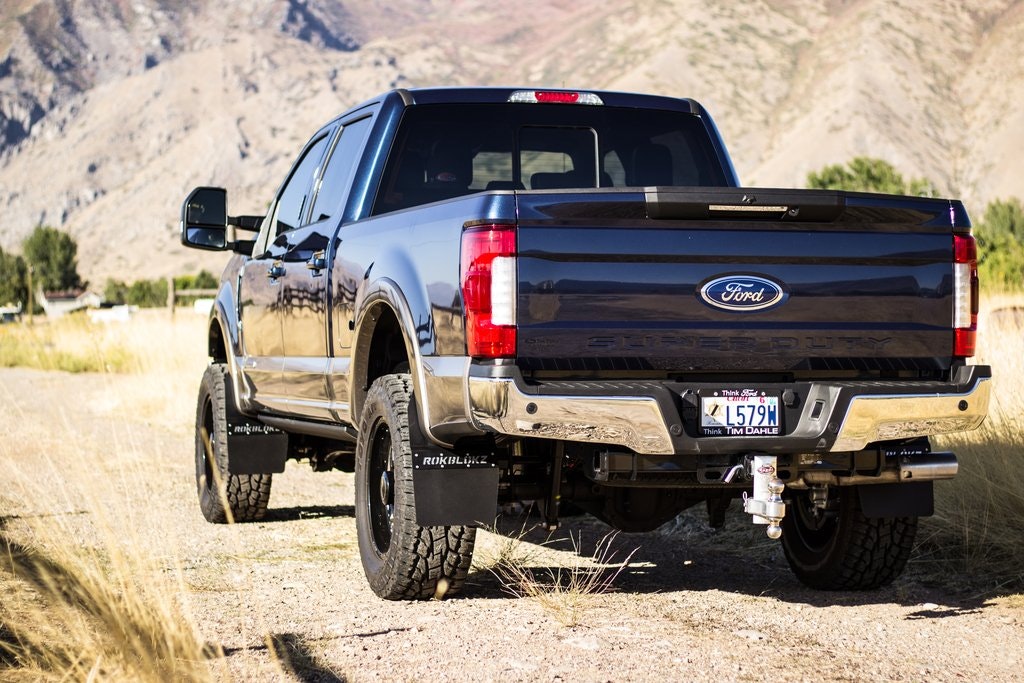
488 281
965 295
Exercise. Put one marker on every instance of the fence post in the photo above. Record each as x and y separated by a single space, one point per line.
31 295
170 295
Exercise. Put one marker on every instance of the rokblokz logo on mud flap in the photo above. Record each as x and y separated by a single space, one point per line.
440 460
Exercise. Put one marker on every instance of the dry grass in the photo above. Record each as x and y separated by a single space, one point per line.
979 520
71 344
158 359
150 359
561 583
92 590
1013 601
73 613
92 583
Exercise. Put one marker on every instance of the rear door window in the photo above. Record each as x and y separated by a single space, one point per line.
293 204
337 176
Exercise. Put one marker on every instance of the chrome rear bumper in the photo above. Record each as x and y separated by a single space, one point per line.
836 416
888 417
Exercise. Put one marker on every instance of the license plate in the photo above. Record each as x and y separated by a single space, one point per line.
740 412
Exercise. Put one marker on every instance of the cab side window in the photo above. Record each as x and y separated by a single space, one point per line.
294 202
336 178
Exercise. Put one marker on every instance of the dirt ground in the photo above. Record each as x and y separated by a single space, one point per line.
692 604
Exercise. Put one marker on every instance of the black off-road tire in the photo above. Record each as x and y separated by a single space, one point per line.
223 497
840 548
402 560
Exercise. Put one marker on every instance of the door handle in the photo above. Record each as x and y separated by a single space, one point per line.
317 263
275 271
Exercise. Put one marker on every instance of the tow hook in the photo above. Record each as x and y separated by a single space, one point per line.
766 504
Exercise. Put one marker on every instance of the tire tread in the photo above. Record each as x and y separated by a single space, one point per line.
422 562
865 553
247 495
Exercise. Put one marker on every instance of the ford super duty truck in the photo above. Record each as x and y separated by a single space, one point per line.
476 296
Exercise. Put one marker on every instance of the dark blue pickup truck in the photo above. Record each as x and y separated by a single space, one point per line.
471 297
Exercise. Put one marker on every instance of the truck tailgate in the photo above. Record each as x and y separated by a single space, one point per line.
825 283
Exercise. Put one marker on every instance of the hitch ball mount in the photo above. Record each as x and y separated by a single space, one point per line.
765 505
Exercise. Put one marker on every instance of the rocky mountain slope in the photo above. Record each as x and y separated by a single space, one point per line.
111 111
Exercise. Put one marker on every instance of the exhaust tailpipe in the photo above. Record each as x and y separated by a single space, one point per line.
917 467
928 467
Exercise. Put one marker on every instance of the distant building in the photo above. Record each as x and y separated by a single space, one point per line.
57 304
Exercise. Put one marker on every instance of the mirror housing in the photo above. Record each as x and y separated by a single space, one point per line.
205 223
204 219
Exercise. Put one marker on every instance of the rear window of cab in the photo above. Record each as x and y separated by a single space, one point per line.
449 150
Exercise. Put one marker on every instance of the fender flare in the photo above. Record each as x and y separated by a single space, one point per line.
385 293
223 319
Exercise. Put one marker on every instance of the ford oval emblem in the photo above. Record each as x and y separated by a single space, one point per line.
742 293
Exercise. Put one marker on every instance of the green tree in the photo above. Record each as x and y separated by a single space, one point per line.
184 282
147 293
202 280
1004 217
205 280
1000 249
865 174
115 291
54 255
13 280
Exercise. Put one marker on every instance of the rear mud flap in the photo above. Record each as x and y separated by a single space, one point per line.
253 447
453 495
915 499
451 489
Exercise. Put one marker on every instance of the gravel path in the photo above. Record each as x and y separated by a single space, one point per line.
692 605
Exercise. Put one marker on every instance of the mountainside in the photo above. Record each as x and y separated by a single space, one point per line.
111 111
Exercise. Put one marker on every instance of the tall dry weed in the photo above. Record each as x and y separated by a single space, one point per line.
92 590
563 583
73 613
89 567
979 518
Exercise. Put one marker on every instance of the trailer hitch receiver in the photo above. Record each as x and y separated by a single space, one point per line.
766 504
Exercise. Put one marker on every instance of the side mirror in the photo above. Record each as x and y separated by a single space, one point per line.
204 219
